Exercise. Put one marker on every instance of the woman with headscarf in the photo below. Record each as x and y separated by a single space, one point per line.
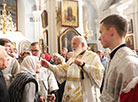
25 87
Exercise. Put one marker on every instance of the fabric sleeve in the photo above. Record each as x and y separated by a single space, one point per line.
52 82
59 71
94 70
29 92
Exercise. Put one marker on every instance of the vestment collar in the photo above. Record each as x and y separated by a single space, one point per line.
115 50
82 52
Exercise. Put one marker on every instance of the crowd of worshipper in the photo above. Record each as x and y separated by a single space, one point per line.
26 65
79 75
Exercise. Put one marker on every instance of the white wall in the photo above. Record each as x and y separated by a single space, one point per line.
13 37
52 35
131 12
24 14
90 15
21 16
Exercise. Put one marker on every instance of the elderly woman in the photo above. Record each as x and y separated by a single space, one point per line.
60 60
25 87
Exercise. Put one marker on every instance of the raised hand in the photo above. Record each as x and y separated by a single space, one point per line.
44 63
78 62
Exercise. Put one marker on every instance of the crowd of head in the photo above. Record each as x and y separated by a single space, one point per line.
79 75
27 65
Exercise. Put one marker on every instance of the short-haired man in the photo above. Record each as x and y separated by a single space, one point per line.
4 96
123 64
37 51
13 66
83 73
47 81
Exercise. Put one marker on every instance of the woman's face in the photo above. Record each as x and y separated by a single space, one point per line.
59 61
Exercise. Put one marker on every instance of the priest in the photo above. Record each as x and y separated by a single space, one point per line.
83 73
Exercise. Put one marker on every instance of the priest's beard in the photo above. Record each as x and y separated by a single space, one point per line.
77 51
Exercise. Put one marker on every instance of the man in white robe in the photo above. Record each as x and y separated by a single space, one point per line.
83 73
47 82
123 64
46 78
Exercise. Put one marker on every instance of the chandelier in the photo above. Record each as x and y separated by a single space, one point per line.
6 23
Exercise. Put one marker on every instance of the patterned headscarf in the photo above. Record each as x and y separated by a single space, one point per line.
29 64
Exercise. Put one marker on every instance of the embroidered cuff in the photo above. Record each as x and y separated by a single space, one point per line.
82 65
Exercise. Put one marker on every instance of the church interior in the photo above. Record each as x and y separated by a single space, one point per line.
68 50
55 22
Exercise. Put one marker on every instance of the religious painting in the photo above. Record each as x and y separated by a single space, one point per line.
129 42
130 26
69 13
13 44
65 38
45 35
41 42
92 47
44 18
24 45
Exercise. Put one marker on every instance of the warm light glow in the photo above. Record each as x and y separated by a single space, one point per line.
6 23
88 33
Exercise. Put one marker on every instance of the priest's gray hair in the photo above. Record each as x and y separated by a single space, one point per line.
82 40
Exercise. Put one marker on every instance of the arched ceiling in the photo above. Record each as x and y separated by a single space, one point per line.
101 4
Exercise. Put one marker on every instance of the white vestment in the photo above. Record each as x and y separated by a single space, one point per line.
47 82
76 88
122 68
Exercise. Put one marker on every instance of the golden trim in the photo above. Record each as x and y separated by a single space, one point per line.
73 79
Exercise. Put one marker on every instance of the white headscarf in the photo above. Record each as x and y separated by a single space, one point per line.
29 64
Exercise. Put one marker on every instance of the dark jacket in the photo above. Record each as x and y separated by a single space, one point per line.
4 96
17 86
